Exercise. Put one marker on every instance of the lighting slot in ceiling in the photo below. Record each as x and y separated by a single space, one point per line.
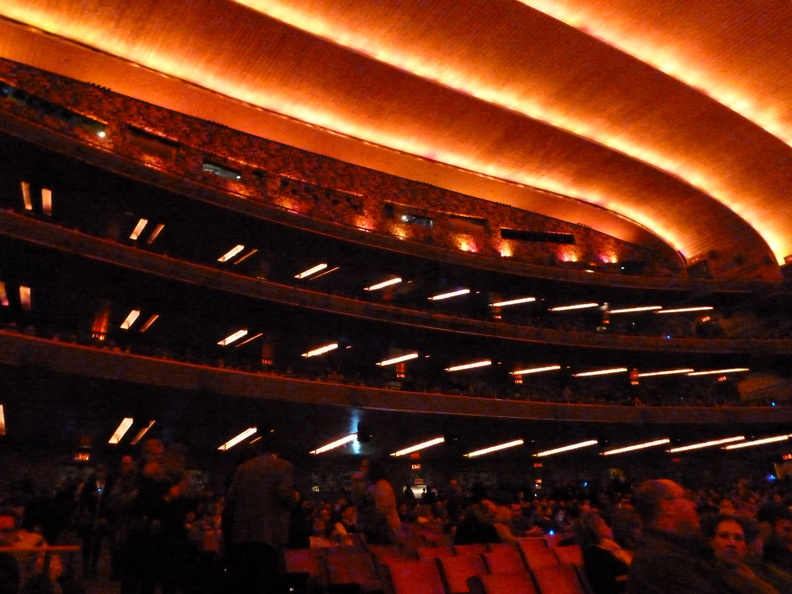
721 371
638 446
154 234
449 295
399 359
232 337
420 446
153 318
469 365
321 350
666 372
574 307
383 284
141 433
635 309
757 442
536 370
251 339
3 295
513 302
46 201
25 297
321 274
231 253
311 271
141 224
239 438
601 372
130 319
2 420
568 448
705 444
495 448
246 256
123 427
685 309
26 200
335 444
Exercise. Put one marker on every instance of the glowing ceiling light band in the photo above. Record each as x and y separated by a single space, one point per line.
495 448
46 201
26 200
399 359
325 272
667 372
469 366
757 442
235 440
251 339
635 309
420 446
153 318
321 350
3 294
639 446
24 297
141 433
573 307
233 337
231 253
335 444
568 448
449 295
705 444
141 224
2 420
246 256
721 371
383 284
513 302
310 271
685 309
130 319
536 370
154 234
600 372
123 427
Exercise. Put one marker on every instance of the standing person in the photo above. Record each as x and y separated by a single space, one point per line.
259 500
92 507
383 524
673 555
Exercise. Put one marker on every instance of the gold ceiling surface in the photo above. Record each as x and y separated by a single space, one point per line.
651 121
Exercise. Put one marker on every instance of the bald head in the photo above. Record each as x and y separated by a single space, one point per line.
664 505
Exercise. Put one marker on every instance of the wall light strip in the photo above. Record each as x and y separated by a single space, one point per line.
685 309
231 253
756 442
449 295
639 446
705 444
149 322
26 196
569 448
235 440
601 372
719 371
383 284
496 448
252 338
400 359
157 230
635 309
321 350
536 370
310 271
420 446
2 420
141 433
667 372
469 366
335 444
123 427
513 302
233 337
572 307
132 316
46 201
141 224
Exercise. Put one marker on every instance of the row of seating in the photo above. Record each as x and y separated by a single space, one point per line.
528 565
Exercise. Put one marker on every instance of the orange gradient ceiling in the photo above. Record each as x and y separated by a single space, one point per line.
659 123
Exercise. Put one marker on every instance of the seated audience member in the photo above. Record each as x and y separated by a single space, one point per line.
627 528
604 562
673 555
346 528
478 521
320 535
729 536
775 567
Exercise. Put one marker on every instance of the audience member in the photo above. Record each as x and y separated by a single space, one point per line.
604 561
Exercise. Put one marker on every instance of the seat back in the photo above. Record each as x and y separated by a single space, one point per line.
504 561
540 558
502 583
413 577
456 570
470 549
354 568
570 554
435 552
562 578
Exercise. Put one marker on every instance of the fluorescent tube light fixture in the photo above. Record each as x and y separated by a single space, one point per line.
2 420
568 448
757 442
130 319
705 444
123 427
469 366
449 295
311 271
157 230
600 372
231 253
685 309
536 370
335 444
3 295
638 446
720 371
383 284
153 318
141 433
141 224
666 372
635 309
233 337
513 302
239 438
46 201
26 196
24 297
420 446
399 359
573 307
252 338
246 256
321 350
495 448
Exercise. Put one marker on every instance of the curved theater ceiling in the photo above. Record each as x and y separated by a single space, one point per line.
653 122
